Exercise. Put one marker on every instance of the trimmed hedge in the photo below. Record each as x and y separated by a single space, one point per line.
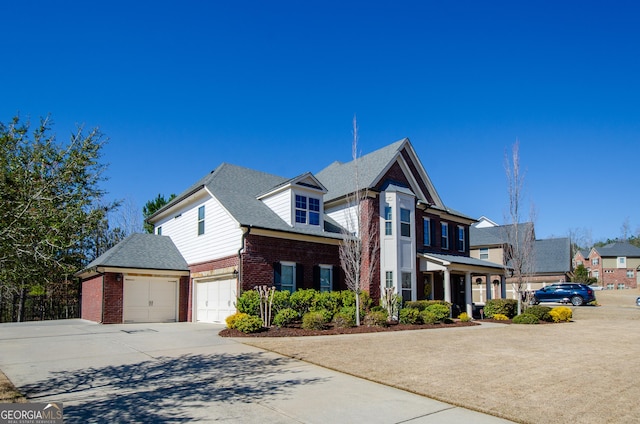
410 316
561 314
542 312
376 319
526 319
313 321
285 317
421 305
507 307
248 323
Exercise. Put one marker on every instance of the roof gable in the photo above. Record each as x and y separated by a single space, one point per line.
618 249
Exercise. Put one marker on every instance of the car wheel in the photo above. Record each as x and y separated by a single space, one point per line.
577 300
534 300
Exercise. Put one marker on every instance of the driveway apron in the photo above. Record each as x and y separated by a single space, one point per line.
183 372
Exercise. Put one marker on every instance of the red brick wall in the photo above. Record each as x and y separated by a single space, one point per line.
262 252
91 308
184 301
113 294
229 261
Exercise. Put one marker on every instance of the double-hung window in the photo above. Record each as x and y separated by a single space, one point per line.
201 220
388 279
405 222
444 236
388 223
426 232
461 238
307 210
484 253
326 278
288 277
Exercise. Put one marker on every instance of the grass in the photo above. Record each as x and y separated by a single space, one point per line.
578 372
8 392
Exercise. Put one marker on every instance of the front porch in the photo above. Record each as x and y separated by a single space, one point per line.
450 278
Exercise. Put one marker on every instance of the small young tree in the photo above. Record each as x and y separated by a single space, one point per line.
359 247
520 238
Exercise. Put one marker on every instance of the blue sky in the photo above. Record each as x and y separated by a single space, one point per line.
180 87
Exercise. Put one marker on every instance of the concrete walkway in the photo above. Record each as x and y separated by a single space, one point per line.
182 372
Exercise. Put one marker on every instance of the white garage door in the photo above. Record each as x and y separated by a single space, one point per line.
148 299
215 300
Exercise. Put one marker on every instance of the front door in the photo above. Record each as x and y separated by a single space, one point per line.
457 295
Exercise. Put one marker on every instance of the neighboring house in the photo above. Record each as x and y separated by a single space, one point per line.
551 258
615 265
239 228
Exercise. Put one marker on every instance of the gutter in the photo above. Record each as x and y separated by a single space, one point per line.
245 232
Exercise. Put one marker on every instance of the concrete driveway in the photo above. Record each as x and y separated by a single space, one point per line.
181 372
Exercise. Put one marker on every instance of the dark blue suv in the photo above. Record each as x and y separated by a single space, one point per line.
577 294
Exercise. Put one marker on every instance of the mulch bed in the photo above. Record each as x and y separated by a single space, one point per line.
297 331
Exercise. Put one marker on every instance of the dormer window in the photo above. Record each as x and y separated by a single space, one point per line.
307 210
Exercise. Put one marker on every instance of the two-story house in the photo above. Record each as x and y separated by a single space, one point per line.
238 228
615 265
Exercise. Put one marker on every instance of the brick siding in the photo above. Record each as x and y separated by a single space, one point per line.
91 308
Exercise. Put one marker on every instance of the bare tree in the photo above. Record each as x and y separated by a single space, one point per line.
625 229
520 235
129 217
360 242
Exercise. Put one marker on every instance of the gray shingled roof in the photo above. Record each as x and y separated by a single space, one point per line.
143 251
237 189
465 260
552 255
618 249
492 236
338 177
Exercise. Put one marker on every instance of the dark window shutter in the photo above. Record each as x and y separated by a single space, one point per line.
338 283
316 277
299 276
277 272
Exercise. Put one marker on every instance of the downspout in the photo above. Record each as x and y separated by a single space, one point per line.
245 232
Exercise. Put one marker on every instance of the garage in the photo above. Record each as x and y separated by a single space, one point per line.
215 299
149 299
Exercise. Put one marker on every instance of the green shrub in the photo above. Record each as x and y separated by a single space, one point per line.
439 310
377 308
328 315
376 319
331 301
526 318
285 317
561 314
542 312
249 302
345 319
424 304
248 323
448 321
280 301
506 307
302 300
428 317
410 316
231 319
464 317
349 299
313 321
500 317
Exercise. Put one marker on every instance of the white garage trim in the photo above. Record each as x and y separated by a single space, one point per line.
150 299
214 299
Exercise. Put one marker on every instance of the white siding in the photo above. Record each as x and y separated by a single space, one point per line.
221 238
281 204
344 215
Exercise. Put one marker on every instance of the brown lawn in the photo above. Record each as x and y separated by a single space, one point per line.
585 371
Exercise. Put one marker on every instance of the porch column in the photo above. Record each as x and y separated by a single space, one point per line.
447 285
503 287
468 295
489 285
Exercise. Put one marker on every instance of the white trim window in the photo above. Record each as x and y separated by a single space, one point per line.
201 220
484 253
426 232
288 276
461 239
630 273
388 223
326 278
444 235
307 210
388 279
406 287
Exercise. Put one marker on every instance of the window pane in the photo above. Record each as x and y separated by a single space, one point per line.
287 281
387 213
426 232
314 204
388 228
389 279
301 216
405 215
200 228
201 213
445 236
325 279
405 230
314 218
301 202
